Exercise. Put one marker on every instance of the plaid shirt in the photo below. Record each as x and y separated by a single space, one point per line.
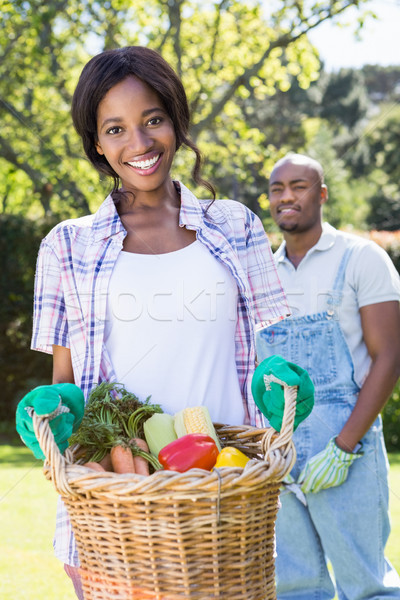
74 267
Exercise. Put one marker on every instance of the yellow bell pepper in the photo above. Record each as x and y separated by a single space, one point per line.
231 457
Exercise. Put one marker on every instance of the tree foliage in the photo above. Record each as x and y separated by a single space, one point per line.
20 368
224 50
383 141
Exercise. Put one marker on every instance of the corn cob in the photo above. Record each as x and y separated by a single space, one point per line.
195 419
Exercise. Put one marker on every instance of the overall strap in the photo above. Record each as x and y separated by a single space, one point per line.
336 298
339 280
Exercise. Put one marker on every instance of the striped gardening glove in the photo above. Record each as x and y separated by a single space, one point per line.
328 468
289 484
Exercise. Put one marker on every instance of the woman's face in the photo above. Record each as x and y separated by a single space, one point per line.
136 136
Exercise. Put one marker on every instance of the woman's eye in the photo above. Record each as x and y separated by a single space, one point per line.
154 121
114 130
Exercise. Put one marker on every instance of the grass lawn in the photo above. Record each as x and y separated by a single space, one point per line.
393 546
28 569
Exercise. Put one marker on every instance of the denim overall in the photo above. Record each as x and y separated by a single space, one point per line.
348 524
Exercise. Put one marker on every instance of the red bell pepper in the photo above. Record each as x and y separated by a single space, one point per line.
193 450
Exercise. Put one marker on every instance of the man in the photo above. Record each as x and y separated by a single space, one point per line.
345 331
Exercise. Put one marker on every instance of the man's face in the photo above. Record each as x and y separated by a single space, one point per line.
296 196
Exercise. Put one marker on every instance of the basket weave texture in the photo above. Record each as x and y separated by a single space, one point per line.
197 535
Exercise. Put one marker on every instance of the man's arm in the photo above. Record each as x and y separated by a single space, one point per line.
381 330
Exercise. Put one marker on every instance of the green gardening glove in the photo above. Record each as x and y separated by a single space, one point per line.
328 468
63 402
270 398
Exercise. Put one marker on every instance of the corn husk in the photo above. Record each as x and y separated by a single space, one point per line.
159 431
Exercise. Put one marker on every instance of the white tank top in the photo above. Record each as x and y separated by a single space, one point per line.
170 330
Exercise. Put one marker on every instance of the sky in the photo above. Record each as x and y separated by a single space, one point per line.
379 44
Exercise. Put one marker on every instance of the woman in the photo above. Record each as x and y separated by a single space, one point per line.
157 290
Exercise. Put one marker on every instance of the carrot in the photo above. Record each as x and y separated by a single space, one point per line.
141 464
95 466
122 459
106 462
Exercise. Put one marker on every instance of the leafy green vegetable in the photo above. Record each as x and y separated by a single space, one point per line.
113 417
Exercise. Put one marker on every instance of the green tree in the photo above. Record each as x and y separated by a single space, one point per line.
224 50
383 138
344 100
383 83
20 368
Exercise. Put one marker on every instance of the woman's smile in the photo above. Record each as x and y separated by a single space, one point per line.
145 165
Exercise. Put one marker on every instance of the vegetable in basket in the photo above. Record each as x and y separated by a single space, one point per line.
132 457
125 460
95 466
159 431
113 423
195 419
231 457
190 451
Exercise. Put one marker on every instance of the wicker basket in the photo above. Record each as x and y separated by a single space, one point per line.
174 536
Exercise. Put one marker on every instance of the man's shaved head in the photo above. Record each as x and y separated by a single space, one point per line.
302 160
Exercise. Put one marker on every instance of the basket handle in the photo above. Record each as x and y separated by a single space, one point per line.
273 441
56 462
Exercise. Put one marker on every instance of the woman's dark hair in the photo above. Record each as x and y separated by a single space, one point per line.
107 69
